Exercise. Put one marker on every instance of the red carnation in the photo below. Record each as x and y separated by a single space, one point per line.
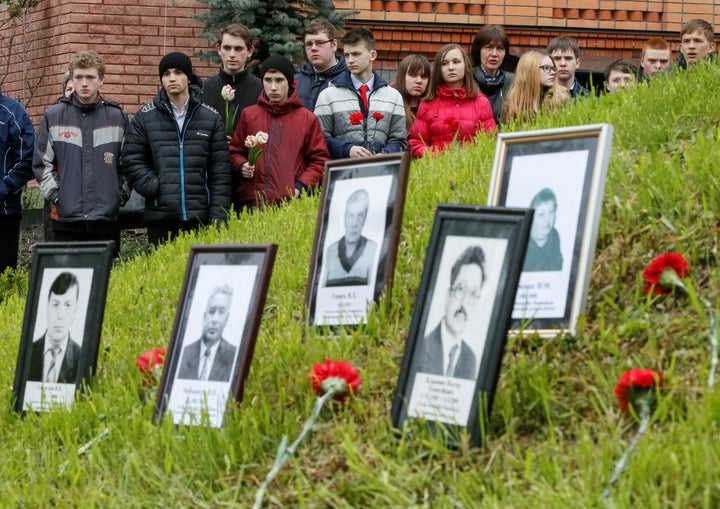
148 361
665 272
634 384
356 118
378 116
339 376
452 124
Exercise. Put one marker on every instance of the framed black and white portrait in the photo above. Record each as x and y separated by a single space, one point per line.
356 237
461 316
63 322
214 333
560 174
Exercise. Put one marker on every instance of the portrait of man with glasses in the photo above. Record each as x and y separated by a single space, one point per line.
445 351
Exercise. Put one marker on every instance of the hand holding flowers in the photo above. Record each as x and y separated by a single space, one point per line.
253 143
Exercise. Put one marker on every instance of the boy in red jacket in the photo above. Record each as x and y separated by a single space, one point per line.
293 158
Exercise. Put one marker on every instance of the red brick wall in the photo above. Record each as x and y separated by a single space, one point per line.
132 35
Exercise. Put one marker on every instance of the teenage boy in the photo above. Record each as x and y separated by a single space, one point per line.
359 113
655 58
324 63
295 153
620 73
565 52
17 136
77 157
234 46
696 43
176 155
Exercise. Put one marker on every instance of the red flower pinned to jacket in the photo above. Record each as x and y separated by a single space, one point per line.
338 376
378 116
635 385
452 123
356 118
665 273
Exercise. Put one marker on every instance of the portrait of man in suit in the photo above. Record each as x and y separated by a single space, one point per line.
211 357
445 350
543 251
55 355
349 261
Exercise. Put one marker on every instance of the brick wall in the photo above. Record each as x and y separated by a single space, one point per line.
132 35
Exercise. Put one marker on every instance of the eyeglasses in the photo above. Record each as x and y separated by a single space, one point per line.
460 292
548 69
310 44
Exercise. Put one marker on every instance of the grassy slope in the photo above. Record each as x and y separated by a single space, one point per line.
555 432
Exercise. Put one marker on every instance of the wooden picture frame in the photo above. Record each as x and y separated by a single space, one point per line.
65 307
561 173
362 199
460 319
221 303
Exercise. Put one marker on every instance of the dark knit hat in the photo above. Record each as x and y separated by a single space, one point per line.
180 61
279 63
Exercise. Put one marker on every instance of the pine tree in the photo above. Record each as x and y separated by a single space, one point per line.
277 25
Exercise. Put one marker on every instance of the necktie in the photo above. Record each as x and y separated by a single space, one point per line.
363 95
451 361
203 371
51 376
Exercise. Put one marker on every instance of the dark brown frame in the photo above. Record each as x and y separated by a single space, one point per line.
60 257
260 256
393 165
455 226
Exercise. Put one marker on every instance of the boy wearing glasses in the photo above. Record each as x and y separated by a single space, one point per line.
324 63
445 350
359 113
565 52
234 46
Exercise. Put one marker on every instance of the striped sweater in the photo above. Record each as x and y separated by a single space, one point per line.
340 100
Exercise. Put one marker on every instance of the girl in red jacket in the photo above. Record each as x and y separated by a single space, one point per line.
454 109
294 153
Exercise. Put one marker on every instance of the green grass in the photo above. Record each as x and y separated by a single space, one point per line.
555 432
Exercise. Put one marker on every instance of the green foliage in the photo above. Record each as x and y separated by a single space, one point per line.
555 432
277 25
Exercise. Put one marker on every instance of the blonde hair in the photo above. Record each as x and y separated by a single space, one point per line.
526 94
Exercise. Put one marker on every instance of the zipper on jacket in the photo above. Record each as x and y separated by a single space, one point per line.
268 154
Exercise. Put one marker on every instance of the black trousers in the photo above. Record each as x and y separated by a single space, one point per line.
166 231
9 242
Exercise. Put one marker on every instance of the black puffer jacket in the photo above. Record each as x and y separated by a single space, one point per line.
183 174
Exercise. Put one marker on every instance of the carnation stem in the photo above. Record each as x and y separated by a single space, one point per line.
284 454
713 342
644 404
85 448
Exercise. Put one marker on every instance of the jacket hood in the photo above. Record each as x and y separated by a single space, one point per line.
283 107
309 70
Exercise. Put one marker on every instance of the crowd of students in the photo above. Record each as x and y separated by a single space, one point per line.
192 151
